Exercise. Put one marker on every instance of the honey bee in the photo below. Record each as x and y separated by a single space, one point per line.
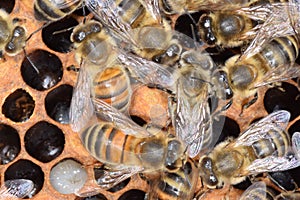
128 148
275 63
279 19
16 188
263 147
13 36
191 114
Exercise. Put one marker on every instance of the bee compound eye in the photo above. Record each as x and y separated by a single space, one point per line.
19 31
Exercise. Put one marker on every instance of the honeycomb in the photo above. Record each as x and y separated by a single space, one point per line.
34 112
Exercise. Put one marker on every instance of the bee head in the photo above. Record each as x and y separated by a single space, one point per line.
175 157
207 172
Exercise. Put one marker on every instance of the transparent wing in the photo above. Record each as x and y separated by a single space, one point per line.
273 163
279 74
17 188
148 72
278 22
153 7
121 121
114 176
63 4
259 130
81 109
192 122
107 12
257 189
296 143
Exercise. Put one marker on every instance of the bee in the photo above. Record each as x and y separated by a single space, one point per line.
263 147
127 148
191 114
13 35
280 19
275 63
16 188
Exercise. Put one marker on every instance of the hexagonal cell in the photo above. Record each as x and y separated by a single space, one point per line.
227 127
68 176
41 70
99 171
284 97
57 103
133 194
10 144
18 106
95 197
25 169
8 6
56 36
44 141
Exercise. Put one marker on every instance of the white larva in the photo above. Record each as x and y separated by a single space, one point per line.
68 176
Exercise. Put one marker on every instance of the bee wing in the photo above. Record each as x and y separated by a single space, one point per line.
273 163
191 122
81 109
278 22
107 12
153 7
280 73
113 176
296 143
259 130
257 189
17 188
121 121
148 72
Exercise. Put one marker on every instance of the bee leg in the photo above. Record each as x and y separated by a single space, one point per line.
249 103
171 110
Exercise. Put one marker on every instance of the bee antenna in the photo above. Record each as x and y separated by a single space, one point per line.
30 61
37 30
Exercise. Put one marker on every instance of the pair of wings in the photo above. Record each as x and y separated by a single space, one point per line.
259 131
16 188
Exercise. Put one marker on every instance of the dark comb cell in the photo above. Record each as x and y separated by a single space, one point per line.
186 24
227 126
41 70
285 97
133 194
44 141
10 144
57 103
18 106
25 169
95 197
7 5
57 35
